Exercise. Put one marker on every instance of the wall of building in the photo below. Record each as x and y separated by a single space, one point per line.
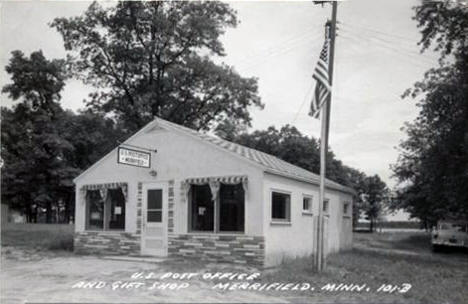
179 156
297 238
106 243
220 248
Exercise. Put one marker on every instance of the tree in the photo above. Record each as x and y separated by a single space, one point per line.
433 164
290 145
149 58
374 197
45 147
36 171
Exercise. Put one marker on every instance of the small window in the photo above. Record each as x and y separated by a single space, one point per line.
154 210
280 206
326 205
307 204
346 208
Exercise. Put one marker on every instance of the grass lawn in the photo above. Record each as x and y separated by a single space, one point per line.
40 237
386 258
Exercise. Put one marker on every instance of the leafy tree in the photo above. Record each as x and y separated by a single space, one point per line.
433 163
36 80
36 171
290 145
45 147
374 197
148 58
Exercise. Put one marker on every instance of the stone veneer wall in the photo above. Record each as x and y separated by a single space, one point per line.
239 249
170 207
108 243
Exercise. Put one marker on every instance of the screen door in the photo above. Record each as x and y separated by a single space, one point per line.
153 232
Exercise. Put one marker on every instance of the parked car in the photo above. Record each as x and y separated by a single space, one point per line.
450 234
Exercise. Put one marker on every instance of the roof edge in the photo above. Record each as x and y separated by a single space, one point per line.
180 129
328 183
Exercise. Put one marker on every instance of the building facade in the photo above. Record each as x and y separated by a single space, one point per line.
206 198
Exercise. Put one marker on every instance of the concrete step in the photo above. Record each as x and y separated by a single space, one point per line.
126 258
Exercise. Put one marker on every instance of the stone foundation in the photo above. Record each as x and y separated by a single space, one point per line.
239 249
106 243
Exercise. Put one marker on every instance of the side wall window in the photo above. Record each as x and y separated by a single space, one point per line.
326 205
346 209
307 203
280 206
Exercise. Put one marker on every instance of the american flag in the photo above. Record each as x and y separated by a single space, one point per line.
323 87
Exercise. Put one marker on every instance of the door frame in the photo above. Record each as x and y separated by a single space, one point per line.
164 217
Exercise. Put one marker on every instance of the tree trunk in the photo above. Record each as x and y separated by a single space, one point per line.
371 226
34 217
28 214
68 204
48 212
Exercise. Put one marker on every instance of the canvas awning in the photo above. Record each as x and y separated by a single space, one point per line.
215 183
106 186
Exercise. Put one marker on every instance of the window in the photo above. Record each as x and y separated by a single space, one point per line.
202 208
346 208
226 214
307 204
115 216
154 210
108 214
95 214
231 211
280 206
326 203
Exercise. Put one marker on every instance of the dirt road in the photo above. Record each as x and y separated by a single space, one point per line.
31 277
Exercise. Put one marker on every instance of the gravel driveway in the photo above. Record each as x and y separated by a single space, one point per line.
35 277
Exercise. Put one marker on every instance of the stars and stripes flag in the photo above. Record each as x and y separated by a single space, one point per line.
322 87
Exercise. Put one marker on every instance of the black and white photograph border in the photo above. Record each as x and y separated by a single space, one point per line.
234 151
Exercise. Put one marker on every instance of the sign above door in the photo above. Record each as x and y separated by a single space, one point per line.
134 157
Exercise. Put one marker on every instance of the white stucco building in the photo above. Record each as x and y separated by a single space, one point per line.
207 198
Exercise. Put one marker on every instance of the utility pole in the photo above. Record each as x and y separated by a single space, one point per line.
320 256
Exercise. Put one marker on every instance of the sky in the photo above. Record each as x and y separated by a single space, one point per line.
377 58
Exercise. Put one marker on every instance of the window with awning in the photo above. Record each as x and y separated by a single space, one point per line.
216 204
105 206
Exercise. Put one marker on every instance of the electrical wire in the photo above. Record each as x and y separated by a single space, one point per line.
311 87
386 34
387 43
408 55
277 53
279 46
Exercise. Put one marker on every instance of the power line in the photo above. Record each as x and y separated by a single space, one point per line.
279 52
384 42
408 55
386 34
279 46
303 102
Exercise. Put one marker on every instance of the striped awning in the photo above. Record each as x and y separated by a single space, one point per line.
215 183
106 186
230 180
